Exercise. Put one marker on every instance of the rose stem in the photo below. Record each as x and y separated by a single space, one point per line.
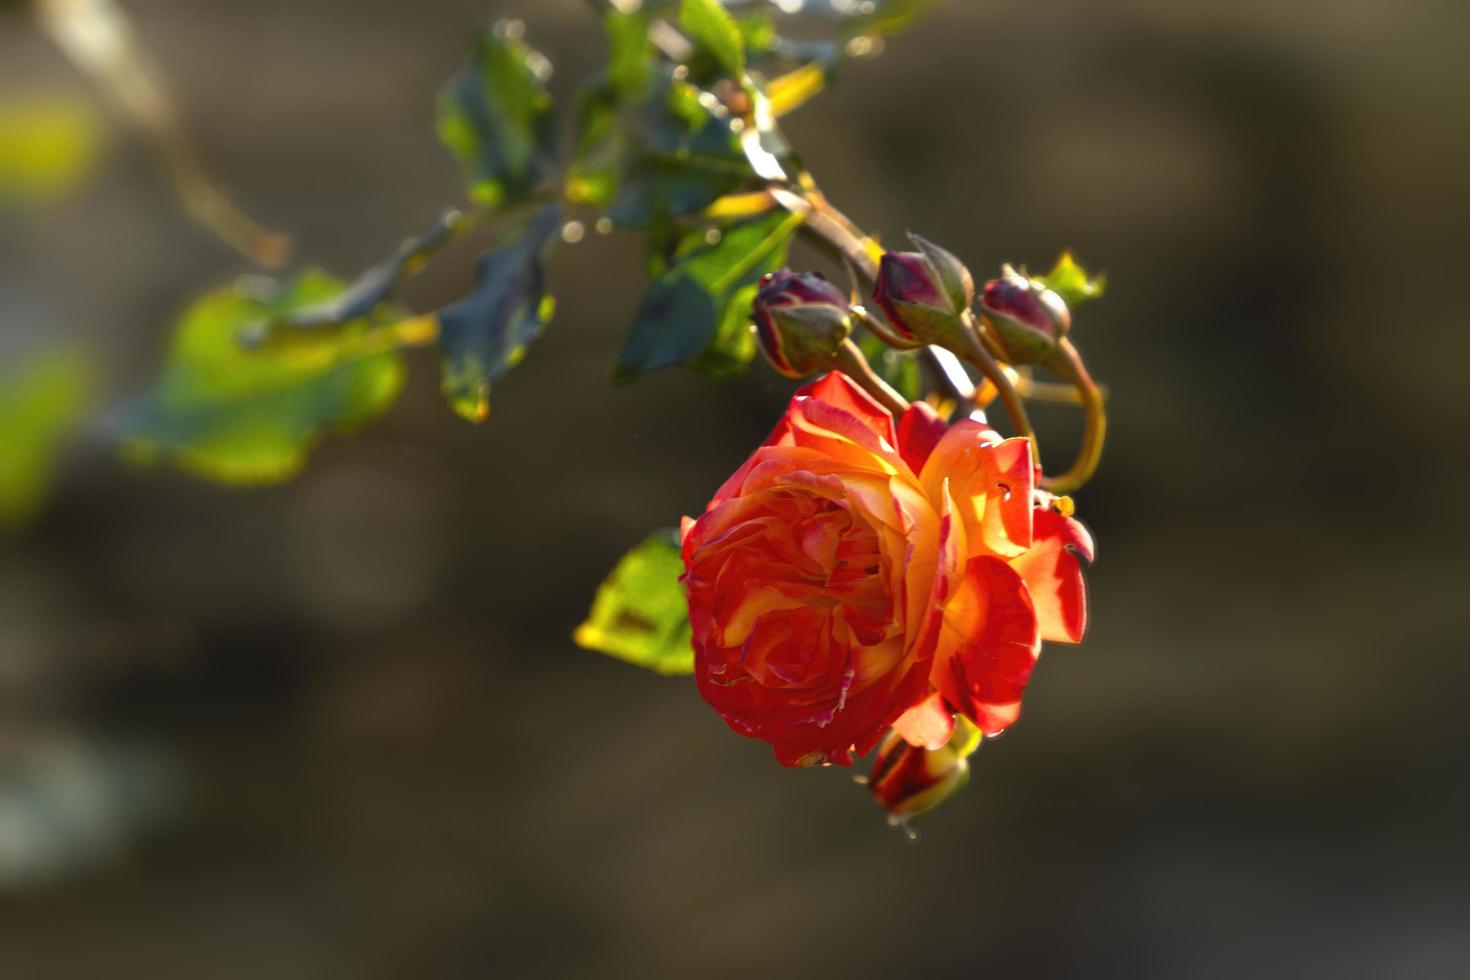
1069 365
851 362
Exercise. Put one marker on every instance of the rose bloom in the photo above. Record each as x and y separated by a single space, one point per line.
854 575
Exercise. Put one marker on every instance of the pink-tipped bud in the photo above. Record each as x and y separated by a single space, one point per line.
925 295
909 781
1023 319
801 320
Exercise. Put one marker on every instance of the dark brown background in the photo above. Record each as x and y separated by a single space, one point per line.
338 729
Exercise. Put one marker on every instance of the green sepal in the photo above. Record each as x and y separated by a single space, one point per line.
1071 282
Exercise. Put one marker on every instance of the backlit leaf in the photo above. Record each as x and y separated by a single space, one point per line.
486 334
377 284
715 33
39 406
651 146
640 613
497 118
247 414
46 148
697 310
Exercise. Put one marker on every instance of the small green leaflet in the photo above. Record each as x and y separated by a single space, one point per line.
661 155
651 146
640 613
714 32
375 286
39 407
486 334
244 414
1070 281
697 312
497 118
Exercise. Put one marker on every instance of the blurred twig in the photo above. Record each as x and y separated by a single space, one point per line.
100 40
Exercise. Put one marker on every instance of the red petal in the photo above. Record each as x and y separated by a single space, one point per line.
1052 570
990 480
928 724
988 644
919 431
839 391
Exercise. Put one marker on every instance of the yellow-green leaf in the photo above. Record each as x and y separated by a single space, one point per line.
640 614
46 148
710 26
39 408
249 414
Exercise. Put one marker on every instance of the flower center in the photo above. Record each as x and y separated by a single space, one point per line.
805 586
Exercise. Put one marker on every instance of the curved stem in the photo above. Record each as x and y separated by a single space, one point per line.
977 355
100 40
851 362
1069 365
880 329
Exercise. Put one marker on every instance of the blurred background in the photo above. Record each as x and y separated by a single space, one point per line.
338 728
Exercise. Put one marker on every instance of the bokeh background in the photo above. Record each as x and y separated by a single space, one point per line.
338 728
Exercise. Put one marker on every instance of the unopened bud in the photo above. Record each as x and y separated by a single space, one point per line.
801 320
926 295
909 781
1023 319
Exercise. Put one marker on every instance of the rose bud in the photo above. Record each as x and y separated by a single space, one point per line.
909 781
926 295
801 320
1023 319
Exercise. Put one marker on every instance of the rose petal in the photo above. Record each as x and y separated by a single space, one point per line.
928 724
1052 570
990 480
839 391
919 431
988 644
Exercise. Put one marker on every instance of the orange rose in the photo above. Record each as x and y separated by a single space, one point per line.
853 576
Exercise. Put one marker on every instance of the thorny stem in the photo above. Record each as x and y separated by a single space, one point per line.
1068 364
851 362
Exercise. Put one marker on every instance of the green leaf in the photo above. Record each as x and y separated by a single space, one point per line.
697 310
1070 281
39 408
654 152
375 286
497 118
243 414
630 53
47 148
714 32
640 613
757 32
486 334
